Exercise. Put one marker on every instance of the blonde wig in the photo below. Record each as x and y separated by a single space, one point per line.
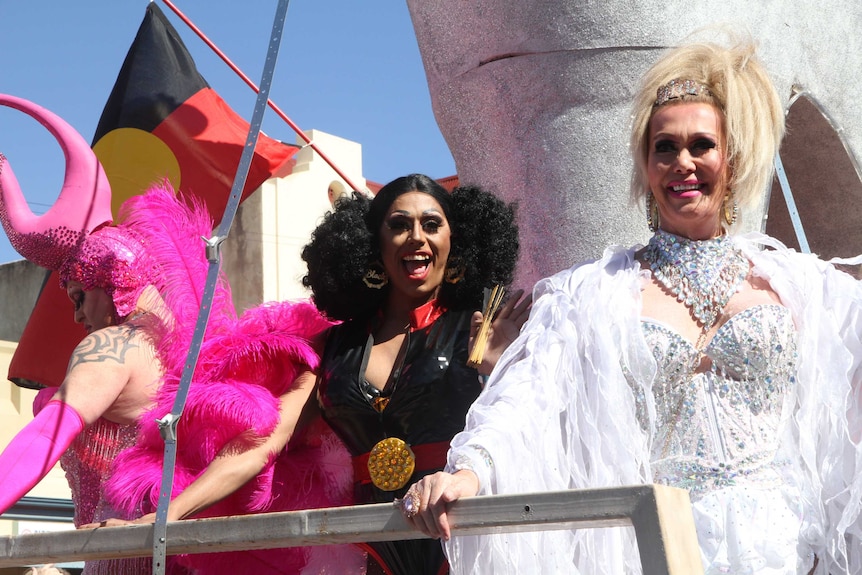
738 85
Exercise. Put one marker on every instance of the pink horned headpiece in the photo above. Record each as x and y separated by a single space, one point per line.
74 237
84 203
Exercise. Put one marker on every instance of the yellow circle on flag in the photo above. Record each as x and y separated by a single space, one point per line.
134 160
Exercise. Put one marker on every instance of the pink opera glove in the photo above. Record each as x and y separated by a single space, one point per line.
42 398
35 450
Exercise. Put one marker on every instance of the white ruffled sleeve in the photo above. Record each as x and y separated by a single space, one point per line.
822 431
557 414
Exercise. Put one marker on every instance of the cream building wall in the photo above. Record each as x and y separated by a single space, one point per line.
262 253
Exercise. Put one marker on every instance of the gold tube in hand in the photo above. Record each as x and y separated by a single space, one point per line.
492 302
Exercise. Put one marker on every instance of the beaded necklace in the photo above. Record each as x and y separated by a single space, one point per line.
703 275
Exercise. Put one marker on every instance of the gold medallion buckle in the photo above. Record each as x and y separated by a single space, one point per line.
390 464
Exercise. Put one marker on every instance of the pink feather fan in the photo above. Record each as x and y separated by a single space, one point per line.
244 366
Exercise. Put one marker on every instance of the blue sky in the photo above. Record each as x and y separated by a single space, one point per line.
346 67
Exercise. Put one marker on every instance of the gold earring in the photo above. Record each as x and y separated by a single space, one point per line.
653 218
455 270
375 277
731 208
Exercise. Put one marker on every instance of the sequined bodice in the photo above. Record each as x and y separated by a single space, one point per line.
87 464
720 427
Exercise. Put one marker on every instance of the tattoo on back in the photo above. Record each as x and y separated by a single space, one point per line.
101 347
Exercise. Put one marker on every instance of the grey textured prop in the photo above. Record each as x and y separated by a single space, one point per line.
534 97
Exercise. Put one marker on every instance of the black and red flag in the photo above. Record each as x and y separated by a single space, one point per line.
162 120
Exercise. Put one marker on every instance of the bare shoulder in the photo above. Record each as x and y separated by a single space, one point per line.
112 345
111 374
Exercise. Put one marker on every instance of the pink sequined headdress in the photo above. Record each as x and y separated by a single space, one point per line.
114 259
75 236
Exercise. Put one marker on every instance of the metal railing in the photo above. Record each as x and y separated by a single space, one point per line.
41 509
661 517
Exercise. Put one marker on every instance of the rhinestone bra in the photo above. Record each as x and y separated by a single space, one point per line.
728 425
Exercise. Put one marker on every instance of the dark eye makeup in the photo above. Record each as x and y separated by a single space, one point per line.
663 146
398 224
700 145
430 224
78 299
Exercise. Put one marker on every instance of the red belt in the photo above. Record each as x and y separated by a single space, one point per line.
428 456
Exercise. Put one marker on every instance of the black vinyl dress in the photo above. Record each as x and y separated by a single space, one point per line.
428 399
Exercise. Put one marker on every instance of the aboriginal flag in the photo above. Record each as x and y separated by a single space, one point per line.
162 120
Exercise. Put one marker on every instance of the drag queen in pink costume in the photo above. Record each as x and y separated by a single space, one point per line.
137 287
114 371
234 457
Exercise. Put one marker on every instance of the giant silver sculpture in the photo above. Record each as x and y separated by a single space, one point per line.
533 99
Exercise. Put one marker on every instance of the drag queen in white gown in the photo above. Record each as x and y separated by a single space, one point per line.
727 366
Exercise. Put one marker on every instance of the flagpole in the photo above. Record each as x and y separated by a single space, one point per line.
254 87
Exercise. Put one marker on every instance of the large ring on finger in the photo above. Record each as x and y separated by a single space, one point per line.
410 504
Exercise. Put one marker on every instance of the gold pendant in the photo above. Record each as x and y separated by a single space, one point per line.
380 403
391 464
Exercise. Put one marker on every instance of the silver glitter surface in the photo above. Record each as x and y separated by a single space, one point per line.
533 99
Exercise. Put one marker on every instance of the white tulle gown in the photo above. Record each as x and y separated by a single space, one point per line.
765 440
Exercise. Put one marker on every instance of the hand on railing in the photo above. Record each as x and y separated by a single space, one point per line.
113 522
426 503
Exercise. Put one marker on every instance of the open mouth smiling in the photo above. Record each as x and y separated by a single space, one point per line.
687 189
416 264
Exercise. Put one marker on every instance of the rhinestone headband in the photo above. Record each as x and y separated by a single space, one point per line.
679 88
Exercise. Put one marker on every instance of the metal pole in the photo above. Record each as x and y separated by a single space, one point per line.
168 425
791 206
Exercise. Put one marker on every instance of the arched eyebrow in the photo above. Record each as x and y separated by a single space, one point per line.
696 136
405 213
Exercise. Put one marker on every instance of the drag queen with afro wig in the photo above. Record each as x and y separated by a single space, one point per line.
405 274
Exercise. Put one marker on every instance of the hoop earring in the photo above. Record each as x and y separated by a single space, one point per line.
455 271
375 277
730 208
653 218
